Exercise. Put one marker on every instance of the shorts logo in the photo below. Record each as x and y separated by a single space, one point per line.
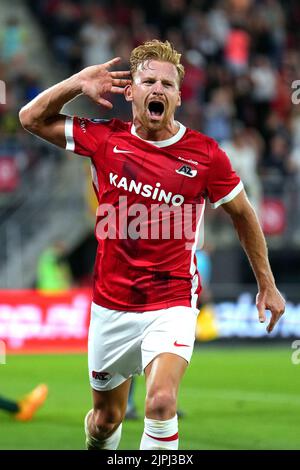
186 170
178 344
103 376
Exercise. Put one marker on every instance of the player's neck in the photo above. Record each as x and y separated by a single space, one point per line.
156 135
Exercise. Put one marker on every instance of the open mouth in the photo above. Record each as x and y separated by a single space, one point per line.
156 108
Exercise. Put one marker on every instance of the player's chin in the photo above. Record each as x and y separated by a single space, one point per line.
156 122
156 126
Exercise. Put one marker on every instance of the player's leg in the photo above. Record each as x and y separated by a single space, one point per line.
114 355
163 376
103 423
8 405
167 348
131 411
25 408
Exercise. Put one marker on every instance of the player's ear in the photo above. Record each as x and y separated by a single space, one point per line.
179 99
128 93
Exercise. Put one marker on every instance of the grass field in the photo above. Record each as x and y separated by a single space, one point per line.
234 398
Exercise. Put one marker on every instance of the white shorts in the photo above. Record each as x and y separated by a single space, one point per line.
122 344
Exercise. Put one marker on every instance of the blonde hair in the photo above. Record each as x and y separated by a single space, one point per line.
156 50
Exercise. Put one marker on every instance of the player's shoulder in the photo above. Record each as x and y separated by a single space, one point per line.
96 126
203 142
113 124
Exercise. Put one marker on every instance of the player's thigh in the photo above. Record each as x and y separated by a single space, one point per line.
112 403
164 373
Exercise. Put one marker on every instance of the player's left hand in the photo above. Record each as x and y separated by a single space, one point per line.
270 299
97 80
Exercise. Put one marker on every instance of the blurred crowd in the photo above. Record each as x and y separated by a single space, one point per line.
20 153
241 58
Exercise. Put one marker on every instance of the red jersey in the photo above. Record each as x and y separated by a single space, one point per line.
151 201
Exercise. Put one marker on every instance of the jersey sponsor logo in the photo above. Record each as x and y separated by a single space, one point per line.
186 171
116 150
98 120
146 190
178 345
103 376
188 160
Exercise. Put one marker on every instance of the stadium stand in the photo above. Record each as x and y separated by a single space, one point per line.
36 181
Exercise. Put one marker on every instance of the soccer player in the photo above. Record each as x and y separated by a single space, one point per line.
24 409
147 172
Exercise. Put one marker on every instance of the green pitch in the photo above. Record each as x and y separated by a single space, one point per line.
234 398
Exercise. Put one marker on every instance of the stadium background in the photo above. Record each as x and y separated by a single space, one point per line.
242 61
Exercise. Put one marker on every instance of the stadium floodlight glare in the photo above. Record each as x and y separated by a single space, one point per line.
2 92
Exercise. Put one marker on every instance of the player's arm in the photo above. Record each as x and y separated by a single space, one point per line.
42 116
254 244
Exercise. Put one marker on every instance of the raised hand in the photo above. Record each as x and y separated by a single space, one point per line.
97 80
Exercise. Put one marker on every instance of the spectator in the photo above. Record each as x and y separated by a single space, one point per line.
12 40
97 37
244 157
53 272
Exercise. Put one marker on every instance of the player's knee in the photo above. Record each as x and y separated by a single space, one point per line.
106 422
160 404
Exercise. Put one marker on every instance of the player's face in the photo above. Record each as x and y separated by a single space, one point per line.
154 94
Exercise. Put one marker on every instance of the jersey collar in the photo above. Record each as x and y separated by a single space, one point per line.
163 143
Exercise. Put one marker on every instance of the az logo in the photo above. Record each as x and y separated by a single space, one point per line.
186 171
100 375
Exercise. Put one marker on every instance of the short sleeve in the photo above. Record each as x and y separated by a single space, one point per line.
223 183
84 136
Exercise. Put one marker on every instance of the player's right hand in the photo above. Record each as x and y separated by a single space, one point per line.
97 80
